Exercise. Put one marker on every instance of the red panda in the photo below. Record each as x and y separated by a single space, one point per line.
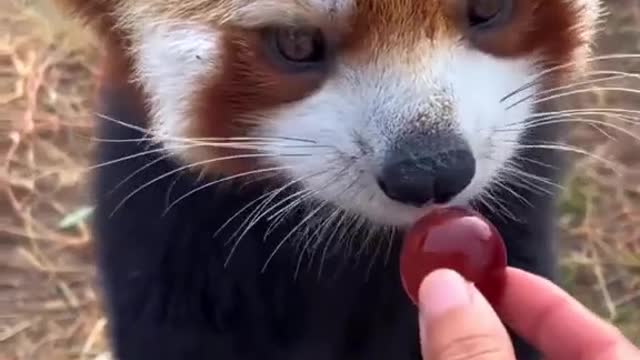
263 157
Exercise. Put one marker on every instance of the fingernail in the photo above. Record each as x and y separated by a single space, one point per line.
442 291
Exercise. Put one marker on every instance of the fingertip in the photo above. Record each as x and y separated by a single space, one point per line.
456 321
443 290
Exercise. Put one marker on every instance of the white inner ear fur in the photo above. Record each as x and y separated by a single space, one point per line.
172 63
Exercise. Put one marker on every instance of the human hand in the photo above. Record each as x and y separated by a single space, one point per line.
457 322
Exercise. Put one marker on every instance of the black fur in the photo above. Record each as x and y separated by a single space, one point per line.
169 297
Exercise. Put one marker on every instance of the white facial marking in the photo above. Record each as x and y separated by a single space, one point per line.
172 63
258 13
360 112
332 6
479 81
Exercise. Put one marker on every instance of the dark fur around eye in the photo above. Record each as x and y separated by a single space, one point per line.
483 14
294 49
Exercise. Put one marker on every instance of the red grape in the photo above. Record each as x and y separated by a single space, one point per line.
454 238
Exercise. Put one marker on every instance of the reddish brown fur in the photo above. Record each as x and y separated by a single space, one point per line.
544 26
397 24
547 27
115 76
249 84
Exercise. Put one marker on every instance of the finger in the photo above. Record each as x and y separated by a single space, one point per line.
557 324
456 322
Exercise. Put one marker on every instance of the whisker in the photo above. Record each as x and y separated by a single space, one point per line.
566 148
338 175
258 214
526 180
487 199
182 168
482 200
537 124
284 240
177 139
533 161
299 196
537 77
502 210
603 111
341 227
316 236
611 75
512 173
227 178
323 255
541 179
560 118
279 216
282 216
367 239
235 145
507 188
376 253
121 141
526 184
519 90
574 118
134 156
123 124
620 114
167 196
293 204
341 230
270 196
582 91
243 209
329 241
256 179
202 139
392 235
138 171
236 243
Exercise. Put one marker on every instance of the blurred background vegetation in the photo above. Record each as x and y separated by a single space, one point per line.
49 306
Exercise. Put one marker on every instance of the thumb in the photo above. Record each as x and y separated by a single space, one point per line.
457 322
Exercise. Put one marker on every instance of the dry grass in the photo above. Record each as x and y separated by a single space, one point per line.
48 305
48 308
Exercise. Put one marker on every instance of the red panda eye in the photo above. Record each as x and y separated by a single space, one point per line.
300 45
485 12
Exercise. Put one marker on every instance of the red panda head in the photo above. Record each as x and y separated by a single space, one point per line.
379 107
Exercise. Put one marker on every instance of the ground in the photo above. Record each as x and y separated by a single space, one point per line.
49 306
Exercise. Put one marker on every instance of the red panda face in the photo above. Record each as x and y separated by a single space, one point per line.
378 107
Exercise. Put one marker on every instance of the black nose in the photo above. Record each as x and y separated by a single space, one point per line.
427 168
